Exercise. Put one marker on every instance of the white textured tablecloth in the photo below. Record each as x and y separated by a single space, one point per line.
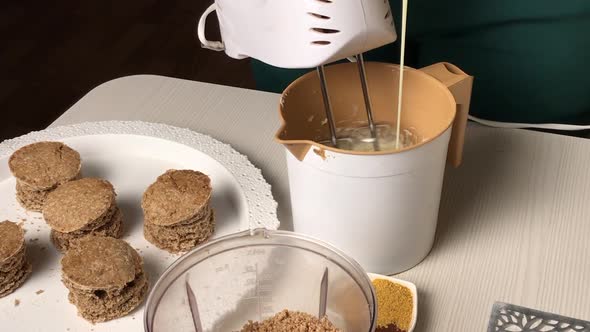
514 223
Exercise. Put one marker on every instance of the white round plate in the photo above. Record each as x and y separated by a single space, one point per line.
130 155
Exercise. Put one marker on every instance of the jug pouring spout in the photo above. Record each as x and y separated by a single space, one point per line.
460 84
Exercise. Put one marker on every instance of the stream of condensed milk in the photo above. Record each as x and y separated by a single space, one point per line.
360 138
401 72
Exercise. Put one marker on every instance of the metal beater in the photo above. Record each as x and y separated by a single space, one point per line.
328 105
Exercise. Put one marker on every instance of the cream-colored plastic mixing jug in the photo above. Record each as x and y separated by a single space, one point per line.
379 207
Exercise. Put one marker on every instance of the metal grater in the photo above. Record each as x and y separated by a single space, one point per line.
512 318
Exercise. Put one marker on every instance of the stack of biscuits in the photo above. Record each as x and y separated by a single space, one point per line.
80 208
177 210
39 168
14 267
105 277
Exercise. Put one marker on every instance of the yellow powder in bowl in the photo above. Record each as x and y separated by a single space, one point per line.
395 304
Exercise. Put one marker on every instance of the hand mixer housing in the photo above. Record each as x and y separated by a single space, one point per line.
299 33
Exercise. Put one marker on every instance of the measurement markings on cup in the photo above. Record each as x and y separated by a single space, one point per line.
259 286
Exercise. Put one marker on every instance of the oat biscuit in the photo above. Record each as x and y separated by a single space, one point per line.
176 196
105 278
80 208
14 267
180 237
177 211
114 229
41 167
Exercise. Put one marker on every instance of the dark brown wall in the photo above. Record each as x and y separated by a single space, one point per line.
53 52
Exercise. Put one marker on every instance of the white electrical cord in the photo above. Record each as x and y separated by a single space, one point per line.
514 125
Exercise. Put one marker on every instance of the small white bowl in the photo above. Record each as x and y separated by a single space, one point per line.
412 289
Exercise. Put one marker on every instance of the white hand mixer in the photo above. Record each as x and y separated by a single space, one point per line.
303 34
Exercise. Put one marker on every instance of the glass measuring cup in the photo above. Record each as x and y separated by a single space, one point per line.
255 274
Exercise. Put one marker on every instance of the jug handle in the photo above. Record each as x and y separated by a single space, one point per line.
460 85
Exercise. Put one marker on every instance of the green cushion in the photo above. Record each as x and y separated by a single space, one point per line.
529 57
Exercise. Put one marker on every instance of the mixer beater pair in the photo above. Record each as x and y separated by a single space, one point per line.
328 105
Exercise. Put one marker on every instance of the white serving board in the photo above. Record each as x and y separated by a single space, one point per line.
130 155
